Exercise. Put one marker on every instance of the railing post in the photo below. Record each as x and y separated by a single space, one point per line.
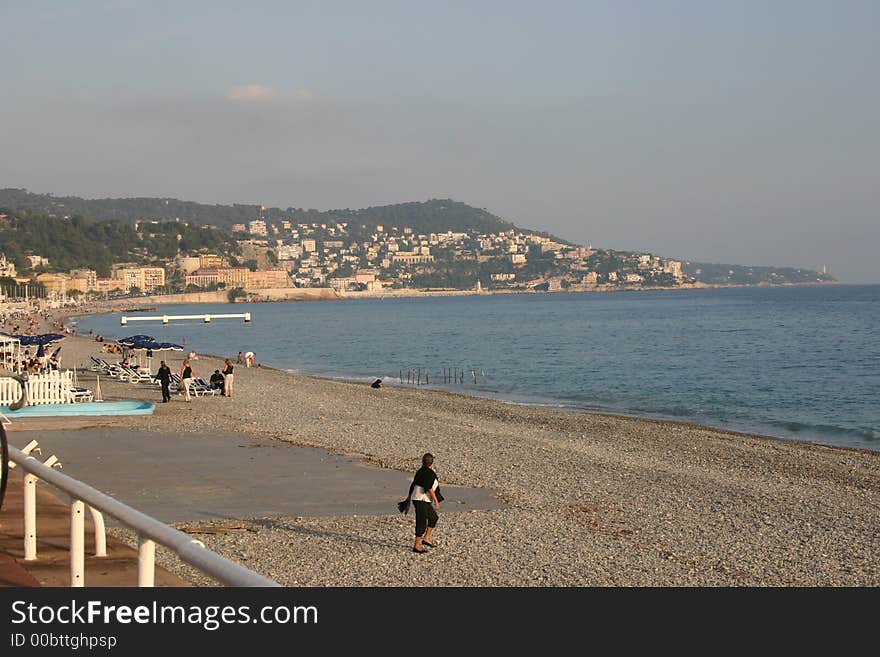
146 562
30 517
100 532
77 543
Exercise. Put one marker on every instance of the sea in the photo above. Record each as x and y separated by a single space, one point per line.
789 362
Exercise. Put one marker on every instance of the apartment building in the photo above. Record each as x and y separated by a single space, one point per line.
267 278
145 279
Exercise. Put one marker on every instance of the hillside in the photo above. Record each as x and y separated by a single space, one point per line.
429 216
96 233
84 243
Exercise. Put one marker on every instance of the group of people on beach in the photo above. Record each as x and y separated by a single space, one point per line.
246 359
35 364
222 381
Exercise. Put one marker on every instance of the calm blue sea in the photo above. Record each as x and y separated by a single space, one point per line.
799 362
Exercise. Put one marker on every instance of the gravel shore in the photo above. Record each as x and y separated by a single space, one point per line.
592 499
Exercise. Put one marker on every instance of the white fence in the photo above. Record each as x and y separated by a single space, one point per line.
10 391
51 388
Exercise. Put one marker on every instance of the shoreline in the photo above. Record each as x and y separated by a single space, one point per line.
663 422
296 295
561 408
593 500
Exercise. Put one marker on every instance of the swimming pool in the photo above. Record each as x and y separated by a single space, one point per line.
84 408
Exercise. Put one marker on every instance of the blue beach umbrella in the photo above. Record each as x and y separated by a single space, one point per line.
132 342
151 345
43 339
131 339
167 346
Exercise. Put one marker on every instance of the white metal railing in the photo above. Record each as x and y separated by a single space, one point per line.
149 530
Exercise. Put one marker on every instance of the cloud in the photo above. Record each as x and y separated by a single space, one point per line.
251 93
258 93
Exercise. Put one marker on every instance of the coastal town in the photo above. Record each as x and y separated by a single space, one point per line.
347 258
362 259
66 247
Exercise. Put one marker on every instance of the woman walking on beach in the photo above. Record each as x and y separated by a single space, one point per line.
186 378
422 492
227 378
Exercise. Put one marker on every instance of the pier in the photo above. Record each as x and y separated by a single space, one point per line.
124 320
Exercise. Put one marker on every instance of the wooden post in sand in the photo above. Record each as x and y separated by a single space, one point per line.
400 374
456 375
427 378
419 379
484 375
474 373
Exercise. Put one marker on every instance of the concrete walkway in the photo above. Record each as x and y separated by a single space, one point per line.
186 477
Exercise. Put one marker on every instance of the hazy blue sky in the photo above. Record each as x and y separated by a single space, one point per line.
742 132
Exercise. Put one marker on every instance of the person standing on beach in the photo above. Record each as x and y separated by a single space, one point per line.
186 378
240 359
228 378
422 492
163 375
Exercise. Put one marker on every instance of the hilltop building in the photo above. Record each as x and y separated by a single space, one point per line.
257 227
7 267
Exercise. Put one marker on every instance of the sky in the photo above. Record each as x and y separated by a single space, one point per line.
739 132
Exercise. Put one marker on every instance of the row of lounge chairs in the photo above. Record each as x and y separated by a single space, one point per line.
119 371
80 394
199 387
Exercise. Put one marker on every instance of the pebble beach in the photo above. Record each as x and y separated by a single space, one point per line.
589 500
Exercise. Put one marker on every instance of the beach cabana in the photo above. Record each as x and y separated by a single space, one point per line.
40 341
10 351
